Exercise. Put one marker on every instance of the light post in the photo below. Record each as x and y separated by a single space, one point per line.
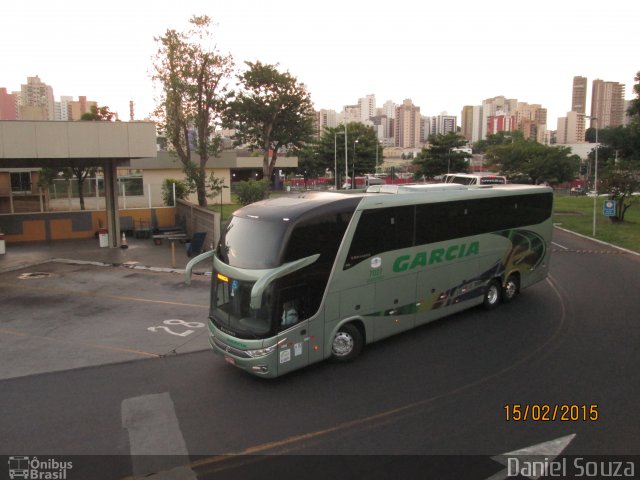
346 151
595 178
353 165
220 226
335 157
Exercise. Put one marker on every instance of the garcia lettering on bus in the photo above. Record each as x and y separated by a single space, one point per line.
437 255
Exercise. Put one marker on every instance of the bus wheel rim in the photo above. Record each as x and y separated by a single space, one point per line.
342 344
510 289
492 294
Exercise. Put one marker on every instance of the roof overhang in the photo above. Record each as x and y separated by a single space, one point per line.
37 144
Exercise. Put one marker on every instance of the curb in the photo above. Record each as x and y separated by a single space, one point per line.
132 266
597 241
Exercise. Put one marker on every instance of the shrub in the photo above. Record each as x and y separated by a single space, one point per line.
251 191
182 190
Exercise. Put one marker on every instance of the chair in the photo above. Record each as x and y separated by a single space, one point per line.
194 246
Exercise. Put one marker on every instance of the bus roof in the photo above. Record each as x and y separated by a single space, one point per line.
294 207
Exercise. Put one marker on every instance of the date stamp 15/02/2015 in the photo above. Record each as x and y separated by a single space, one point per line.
541 412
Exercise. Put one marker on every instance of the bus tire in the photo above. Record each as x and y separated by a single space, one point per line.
347 343
511 288
492 295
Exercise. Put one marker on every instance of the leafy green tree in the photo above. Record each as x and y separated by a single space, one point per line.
621 181
102 114
193 78
634 106
271 111
441 156
531 161
500 138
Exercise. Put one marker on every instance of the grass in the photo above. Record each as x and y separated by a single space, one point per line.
576 214
227 209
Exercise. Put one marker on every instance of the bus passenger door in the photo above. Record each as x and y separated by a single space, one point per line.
396 305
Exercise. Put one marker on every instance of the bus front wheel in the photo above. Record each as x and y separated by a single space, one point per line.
347 343
492 295
511 288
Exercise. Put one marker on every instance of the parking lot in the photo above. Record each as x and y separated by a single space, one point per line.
75 312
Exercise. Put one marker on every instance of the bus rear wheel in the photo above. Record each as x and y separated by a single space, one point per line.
492 295
347 343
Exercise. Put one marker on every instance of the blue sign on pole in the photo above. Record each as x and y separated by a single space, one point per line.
609 208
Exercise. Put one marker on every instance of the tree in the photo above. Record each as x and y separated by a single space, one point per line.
167 190
634 106
621 181
619 159
499 138
192 77
271 111
531 161
442 156
102 114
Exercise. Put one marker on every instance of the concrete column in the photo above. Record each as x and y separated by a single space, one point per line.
111 199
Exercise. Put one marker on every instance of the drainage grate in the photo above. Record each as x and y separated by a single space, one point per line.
28 276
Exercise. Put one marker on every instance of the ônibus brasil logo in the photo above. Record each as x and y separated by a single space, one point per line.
36 469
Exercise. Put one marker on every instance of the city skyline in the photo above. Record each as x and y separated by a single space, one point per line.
440 58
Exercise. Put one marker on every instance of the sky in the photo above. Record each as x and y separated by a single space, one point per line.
441 55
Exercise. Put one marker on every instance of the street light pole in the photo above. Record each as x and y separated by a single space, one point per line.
595 179
346 152
353 165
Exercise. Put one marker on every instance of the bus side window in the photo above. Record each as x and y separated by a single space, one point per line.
292 305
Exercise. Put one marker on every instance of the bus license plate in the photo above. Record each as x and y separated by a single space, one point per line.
229 360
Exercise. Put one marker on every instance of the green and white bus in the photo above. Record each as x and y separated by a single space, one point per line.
299 279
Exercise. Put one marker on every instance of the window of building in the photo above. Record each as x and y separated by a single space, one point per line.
21 182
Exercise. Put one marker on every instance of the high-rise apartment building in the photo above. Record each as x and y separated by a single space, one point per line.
63 108
466 122
36 100
498 107
443 124
607 104
367 107
531 120
571 129
579 95
79 107
326 119
8 105
407 125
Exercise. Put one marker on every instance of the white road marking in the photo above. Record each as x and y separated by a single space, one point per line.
156 442
561 246
542 452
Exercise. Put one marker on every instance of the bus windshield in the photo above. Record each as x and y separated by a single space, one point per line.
252 243
231 311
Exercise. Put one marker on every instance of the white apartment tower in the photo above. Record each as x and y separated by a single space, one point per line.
367 107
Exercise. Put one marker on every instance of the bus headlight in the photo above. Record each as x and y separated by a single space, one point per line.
261 352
